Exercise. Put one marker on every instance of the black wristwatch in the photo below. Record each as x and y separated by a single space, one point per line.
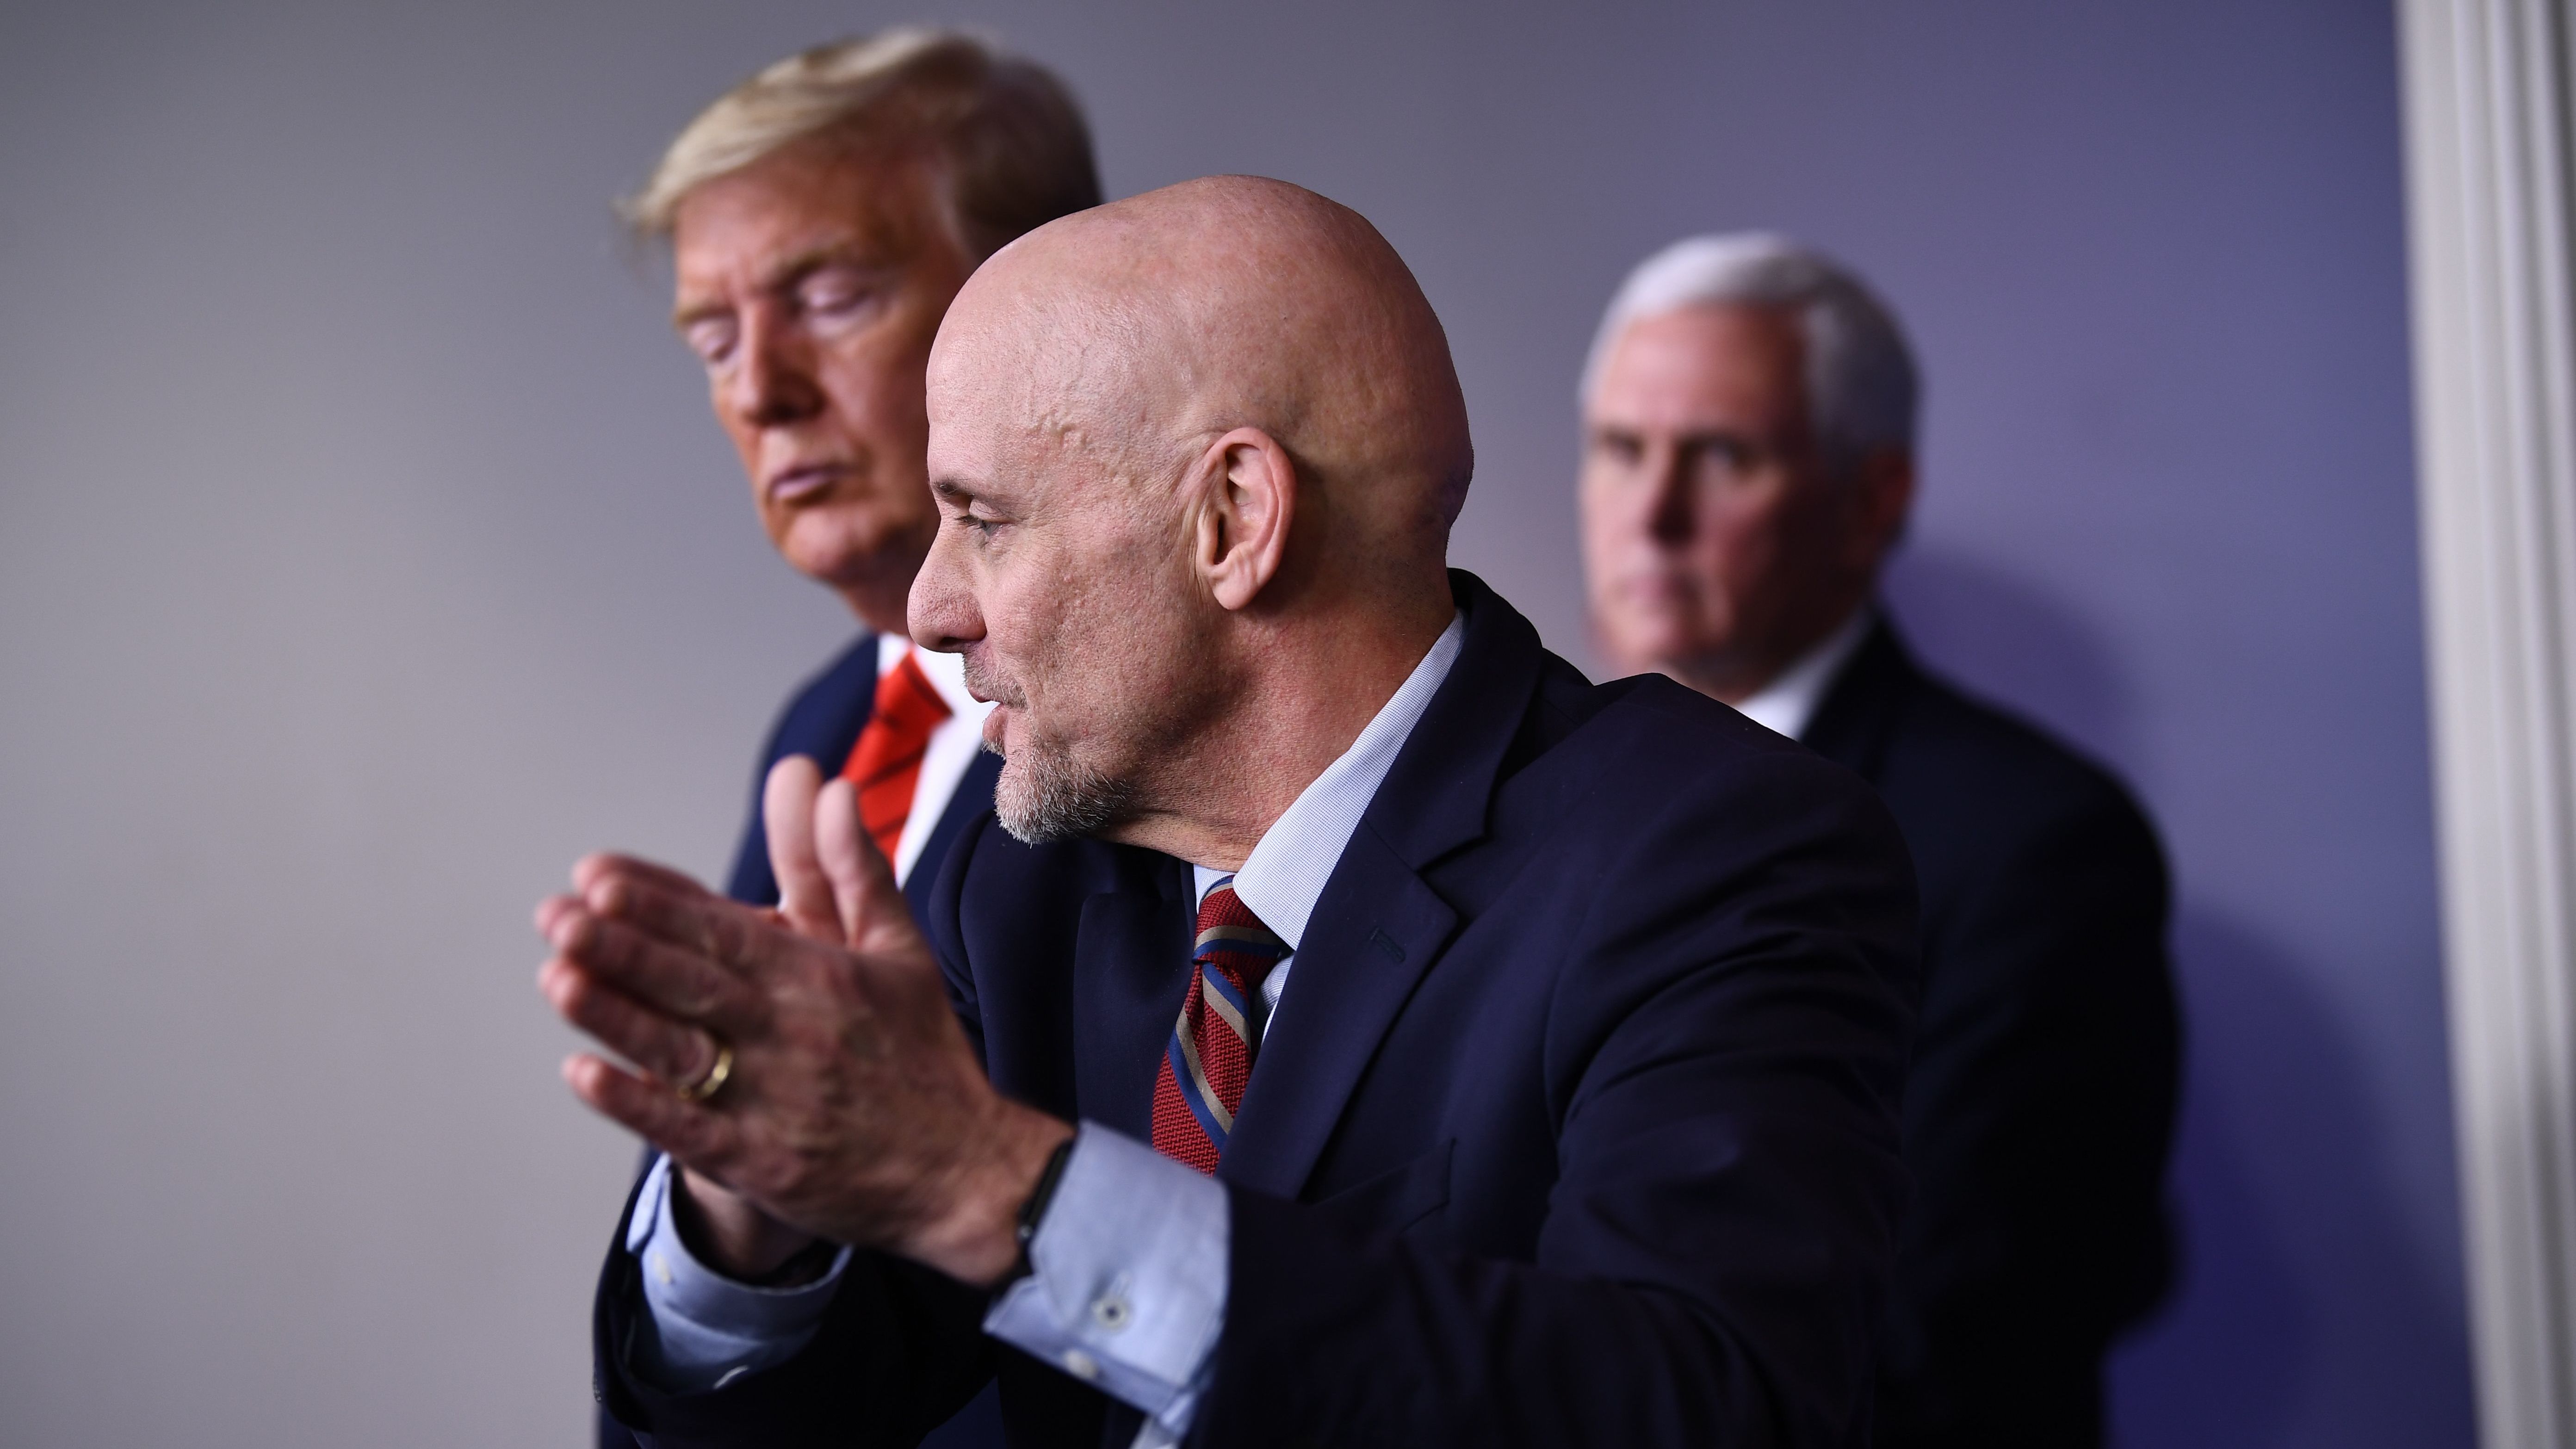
1033 1211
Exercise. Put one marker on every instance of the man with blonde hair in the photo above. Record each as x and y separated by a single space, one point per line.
820 217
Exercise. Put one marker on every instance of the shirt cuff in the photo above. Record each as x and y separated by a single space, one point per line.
708 1329
1127 1282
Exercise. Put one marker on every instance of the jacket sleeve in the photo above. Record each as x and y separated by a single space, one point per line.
2038 1119
899 1352
1725 1047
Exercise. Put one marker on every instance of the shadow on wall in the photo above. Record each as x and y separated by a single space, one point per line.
2003 639
2301 1314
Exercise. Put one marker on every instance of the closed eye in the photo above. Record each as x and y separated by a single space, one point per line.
841 294
711 338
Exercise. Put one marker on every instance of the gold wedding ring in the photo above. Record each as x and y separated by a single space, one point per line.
716 1076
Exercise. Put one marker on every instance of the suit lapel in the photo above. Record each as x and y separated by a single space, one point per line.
822 723
1852 725
832 712
1375 930
1377 927
972 798
1131 964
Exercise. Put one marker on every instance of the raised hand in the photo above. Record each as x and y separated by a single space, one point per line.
791 808
853 1108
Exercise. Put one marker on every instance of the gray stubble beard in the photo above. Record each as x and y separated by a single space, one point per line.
1043 797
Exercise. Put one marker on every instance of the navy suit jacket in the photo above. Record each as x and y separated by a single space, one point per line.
2041 1101
1577 1124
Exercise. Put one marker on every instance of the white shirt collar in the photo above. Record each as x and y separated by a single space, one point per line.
950 752
1787 705
1286 871
946 673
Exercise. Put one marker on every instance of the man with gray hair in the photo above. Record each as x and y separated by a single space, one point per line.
1748 463
821 216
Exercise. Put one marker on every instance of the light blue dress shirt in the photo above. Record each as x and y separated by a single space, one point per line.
1128 1276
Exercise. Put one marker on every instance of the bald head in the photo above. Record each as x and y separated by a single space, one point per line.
1197 454
1154 324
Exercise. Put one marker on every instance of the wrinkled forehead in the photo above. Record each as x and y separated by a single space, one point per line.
1021 365
1705 363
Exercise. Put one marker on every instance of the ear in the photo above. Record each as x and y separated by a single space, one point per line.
1248 500
1882 497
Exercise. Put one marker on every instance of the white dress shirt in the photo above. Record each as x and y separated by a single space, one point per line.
1127 1287
953 744
1787 705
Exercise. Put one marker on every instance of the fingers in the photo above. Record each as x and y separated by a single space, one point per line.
550 910
787 807
862 880
742 940
595 867
670 978
695 1135
673 1051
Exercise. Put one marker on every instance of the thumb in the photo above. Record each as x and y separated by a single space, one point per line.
862 879
805 895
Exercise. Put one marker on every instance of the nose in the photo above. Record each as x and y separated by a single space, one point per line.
773 377
1671 502
942 611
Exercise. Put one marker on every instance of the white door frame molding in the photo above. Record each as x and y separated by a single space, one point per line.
2489 139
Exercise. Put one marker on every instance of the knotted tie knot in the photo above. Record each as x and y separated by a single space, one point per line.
885 765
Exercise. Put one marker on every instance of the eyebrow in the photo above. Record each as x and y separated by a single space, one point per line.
962 494
949 490
1686 437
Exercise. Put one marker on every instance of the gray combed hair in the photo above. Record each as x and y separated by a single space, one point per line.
1009 140
1862 390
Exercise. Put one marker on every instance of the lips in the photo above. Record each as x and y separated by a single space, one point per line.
803 483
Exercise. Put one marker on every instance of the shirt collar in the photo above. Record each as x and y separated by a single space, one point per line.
1788 703
946 673
1285 874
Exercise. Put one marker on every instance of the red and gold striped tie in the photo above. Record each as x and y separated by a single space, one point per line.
1209 1058
886 762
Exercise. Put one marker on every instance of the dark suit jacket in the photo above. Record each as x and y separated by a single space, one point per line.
1577 1124
2041 1101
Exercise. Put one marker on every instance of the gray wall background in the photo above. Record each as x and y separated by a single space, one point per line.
366 553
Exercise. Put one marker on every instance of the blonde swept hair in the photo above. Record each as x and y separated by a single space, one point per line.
1007 141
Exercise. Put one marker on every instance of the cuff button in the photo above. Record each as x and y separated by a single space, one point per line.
1112 1313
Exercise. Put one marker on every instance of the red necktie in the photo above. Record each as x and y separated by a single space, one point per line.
886 762
1209 1058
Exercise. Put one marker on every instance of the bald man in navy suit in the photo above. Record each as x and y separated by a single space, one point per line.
1352 1026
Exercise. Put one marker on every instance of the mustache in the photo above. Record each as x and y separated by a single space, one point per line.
986 685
